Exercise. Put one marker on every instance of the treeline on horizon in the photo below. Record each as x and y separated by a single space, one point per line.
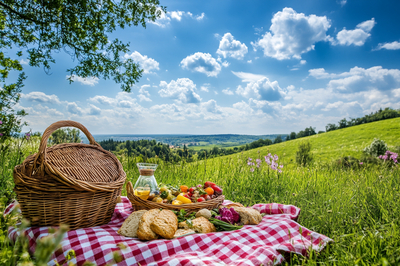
152 148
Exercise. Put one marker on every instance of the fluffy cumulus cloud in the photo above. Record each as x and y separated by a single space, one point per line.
146 63
262 89
389 46
229 47
91 81
227 91
183 90
73 108
358 36
203 63
37 96
292 34
165 18
360 79
94 110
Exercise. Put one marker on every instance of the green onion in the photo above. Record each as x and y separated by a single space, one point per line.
223 226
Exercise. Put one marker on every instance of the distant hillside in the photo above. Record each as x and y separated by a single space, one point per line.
190 140
335 144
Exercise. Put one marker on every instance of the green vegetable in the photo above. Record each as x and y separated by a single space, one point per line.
164 194
223 226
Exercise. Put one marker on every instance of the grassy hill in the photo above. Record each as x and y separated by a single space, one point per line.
335 144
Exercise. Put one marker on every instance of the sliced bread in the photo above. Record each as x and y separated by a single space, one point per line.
165 224
144 231
130 226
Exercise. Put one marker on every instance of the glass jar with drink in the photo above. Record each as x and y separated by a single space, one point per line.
146 186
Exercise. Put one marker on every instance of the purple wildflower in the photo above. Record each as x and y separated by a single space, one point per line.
1 134
252 169
28 135
1 122
276 157
361 163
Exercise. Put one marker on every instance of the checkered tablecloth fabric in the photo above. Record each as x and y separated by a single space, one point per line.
252 245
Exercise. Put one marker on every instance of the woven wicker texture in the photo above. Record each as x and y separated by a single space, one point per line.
72 183
140 204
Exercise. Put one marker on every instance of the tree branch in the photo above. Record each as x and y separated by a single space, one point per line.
19 14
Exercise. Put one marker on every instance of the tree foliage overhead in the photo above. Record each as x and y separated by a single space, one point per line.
78 27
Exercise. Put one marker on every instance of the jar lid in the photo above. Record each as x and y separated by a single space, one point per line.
146 172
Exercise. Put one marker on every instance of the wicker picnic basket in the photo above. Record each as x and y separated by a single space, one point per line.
140 204
73 183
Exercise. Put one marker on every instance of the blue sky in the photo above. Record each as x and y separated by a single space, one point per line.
240 67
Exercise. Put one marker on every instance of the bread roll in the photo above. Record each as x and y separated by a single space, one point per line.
144 231
248 215
200 225
165 224
130 226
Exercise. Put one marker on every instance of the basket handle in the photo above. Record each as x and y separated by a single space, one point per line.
41 155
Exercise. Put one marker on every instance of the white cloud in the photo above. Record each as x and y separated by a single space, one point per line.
103 100
146 63
292 34
211 106
74 109
229 47
37 96
205 87
389 46
248 77
360 79
182 90
303 62
94 110
357 36
343 2
227 91
24 61
177 15
225 64
143 98
91 81
143 90
262 89
203 63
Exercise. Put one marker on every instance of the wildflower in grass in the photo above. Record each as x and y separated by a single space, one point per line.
1 122
1 134
389 156
27 135
361 163
269 159
252 169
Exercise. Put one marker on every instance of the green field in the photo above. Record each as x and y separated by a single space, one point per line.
338 143
358 209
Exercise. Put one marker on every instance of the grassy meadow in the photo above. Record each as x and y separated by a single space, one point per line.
358 209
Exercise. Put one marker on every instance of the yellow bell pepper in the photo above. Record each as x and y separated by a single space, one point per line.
183 199
176 202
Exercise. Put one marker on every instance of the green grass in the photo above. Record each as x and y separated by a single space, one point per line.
358 209
338 143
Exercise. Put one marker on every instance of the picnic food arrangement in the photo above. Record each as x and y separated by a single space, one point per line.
80 185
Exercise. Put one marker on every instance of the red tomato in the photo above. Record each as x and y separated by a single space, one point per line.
207 197
189 194
192 189
201 199
186 196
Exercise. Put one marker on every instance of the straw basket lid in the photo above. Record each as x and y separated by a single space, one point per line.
83 167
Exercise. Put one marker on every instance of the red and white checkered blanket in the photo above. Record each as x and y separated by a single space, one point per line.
252 245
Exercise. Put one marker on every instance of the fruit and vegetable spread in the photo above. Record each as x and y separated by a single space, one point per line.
186 195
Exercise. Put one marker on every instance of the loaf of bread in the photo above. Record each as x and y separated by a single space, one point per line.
130 226
200 225
165 224
248 215
144 231
233 204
